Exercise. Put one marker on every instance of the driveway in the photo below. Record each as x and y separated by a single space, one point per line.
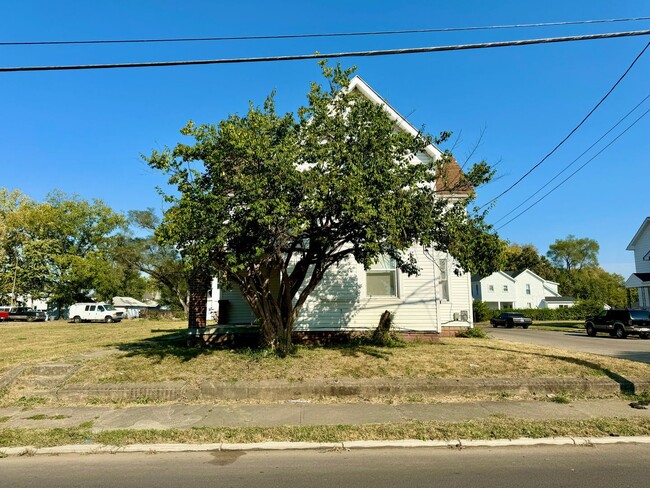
631 348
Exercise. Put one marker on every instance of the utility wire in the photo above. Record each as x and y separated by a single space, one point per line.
576 171
620 121
317 35
298 57
570 133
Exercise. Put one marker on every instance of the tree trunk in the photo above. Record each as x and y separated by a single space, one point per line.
199 284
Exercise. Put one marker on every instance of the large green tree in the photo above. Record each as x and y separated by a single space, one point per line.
271 202
57 249
574 253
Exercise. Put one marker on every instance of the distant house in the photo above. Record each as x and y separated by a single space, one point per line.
518 289
130 306
640 280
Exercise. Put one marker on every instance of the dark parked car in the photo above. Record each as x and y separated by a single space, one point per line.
510 319
26 313
619 323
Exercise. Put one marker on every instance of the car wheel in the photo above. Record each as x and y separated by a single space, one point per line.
77 319
108 319
524 326
591 331
620 333
494 325
645 336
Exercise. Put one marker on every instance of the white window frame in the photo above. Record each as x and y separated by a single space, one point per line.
491 288
377 269
527 288
443 279
505 288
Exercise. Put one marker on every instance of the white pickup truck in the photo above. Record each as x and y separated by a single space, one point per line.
94 312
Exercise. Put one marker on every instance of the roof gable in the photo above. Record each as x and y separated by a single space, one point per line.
453 171
639 233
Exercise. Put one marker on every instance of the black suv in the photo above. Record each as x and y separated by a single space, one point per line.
619 323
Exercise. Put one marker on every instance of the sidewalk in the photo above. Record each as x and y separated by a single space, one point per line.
301 413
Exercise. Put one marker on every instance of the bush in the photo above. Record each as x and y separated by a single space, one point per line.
473 333
163 315
579 311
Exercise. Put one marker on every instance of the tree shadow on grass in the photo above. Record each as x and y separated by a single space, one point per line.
359 349
625 385
163 346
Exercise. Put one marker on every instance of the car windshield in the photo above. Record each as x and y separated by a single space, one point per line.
639 314
109 307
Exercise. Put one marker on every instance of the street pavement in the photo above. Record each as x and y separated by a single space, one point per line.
601 466
632 348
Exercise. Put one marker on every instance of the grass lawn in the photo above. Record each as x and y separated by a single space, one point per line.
151 351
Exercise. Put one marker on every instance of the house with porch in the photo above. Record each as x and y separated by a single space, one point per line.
351 298
640 279
518 290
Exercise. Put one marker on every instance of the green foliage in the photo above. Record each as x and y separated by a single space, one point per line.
573 253
472 333
519 257
57 249
481 311
147 254
579 311
333 182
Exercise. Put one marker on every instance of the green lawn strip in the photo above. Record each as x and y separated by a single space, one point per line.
498 427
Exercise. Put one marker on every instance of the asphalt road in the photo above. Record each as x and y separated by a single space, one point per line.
632 348
532 467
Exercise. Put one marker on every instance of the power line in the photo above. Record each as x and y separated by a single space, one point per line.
300 57
620 121
572 131
576 171
320 35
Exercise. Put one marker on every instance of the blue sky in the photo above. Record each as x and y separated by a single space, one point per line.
84 131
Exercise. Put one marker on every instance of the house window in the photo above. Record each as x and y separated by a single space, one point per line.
444 279
490 287
381 278
527 289
505 288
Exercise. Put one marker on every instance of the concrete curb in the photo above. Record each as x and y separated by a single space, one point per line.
345 445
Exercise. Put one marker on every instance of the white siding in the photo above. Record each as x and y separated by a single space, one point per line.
498 280
537 290
641 248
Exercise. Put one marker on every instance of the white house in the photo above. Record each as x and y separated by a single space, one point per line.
349 297
640 280
518 289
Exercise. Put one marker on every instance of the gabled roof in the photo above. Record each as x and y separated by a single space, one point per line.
644 226
452 170
502 273
128 302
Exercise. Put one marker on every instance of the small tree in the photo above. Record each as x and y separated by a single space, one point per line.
272 202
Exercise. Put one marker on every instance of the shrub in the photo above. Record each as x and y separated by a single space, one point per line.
473 333
163 314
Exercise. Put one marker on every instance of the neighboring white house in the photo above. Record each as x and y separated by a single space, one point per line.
640 244
518 289
349 297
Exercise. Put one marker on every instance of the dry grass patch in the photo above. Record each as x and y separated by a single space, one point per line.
491 428
451 358
33 343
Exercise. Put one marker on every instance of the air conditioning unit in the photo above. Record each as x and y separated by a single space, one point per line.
464 316
456 316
